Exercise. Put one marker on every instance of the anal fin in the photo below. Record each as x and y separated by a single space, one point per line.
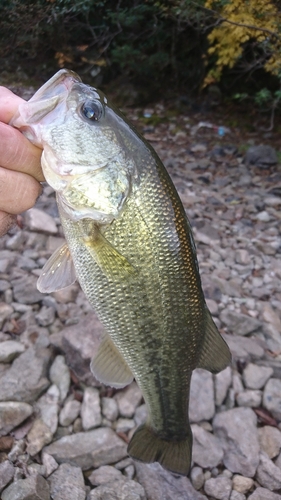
109 366
215 354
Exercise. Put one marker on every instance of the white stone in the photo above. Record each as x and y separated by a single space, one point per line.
40 221
255 377
242 484
9 350
90 409
69 412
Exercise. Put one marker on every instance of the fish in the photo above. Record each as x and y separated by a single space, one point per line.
130 245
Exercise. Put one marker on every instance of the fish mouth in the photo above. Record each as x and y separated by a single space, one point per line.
52 93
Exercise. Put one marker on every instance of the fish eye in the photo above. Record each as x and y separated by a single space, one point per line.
91 110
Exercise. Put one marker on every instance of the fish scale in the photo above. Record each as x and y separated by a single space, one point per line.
130 245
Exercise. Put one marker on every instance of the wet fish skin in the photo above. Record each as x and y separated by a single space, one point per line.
134 256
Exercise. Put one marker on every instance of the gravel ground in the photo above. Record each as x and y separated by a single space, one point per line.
62 434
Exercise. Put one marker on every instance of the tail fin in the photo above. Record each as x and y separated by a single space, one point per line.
174 456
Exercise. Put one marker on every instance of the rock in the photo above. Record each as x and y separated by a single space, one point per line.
263 494
38 436
48 405
239 324
141 414
243 348
6 474
66 295
218 487
270 440
67 483
251 399
242 256
160 484
104 475
13 413
207 451
69 412
128 399
35 487
60 375
255 377
9 350
89 449
124 425
242 484
235 495
119 490
25 290
39 221
261 156
197 478
80 343
5 311
222 384
202 407
272 397
46 316
90 409
109 408
26 379
237 429
49 463
268 474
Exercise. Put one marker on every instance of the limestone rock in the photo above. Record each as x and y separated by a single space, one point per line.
13 413
119 490
270 440
9 350
197 477
238 433
250 398
242 484
69 412
264 494
128 399
26 378
255 377
239 324
6 474
60 375
67 483
38 436
207 451
202 402
218 487
25 290
104 474
109 408
160 484
272 397
91 410
35 487
89 449
222 384
268 474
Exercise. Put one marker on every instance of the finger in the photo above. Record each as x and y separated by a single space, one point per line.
17 153
6 222
18 191
9 104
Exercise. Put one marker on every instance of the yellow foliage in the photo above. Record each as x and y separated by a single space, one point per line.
248 20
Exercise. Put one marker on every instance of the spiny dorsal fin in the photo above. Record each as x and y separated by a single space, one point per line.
215 354
109 367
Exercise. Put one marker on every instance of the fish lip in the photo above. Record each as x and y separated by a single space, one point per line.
64 78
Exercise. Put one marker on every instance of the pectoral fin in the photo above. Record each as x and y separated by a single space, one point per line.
58 272
109 367
113 264
215 353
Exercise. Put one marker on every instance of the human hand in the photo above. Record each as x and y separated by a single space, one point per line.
20 170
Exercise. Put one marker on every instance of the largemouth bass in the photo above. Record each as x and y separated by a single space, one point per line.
130 245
